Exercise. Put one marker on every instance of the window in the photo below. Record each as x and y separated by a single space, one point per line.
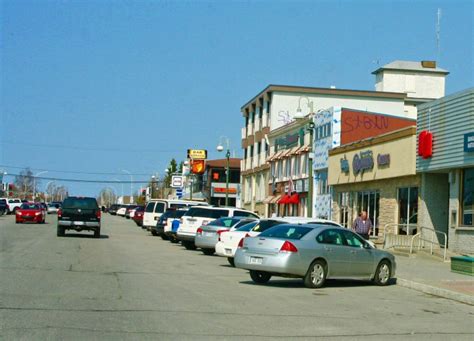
244 214
344 204
305 164
467 204
251 150
352 239
265 224
333 237
296 166
160 207
407 210
150 207
206 213
288 168
369 201
279 169
323 187
259 148
286 232
245 153
248 226
86 203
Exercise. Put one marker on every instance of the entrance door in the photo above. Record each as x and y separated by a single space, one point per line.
369 201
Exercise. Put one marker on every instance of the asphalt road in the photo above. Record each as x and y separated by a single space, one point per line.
130 285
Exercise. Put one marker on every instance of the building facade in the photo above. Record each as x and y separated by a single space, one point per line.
446 165
214 182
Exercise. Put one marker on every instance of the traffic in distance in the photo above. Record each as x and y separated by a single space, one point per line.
295 247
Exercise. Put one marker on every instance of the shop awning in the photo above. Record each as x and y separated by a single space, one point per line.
302 149
294 199
276 198
268 199
285 199
275 156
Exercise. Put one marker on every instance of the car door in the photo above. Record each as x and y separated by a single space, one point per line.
362 258
335 252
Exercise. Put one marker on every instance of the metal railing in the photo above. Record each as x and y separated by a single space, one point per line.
392 236
432 241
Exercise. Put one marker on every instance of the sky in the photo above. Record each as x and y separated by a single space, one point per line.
106 86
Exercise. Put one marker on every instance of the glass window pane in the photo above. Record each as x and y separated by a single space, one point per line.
467 197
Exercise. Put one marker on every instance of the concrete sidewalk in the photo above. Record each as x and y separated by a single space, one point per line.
434 277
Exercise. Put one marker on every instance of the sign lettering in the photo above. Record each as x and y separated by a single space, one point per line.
362 162
197 154
469 142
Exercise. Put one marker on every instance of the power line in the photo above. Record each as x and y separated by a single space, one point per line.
72 172
90 181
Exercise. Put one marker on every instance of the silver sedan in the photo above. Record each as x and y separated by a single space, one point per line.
314 253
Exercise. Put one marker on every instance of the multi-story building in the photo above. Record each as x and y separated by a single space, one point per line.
214 182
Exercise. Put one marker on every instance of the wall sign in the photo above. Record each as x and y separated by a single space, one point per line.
383 160
469 142
287 141
197 154
362 162
345 165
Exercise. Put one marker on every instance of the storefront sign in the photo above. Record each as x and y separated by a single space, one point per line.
197 154
383 160
469 142
287 141
362 162
218 190
345 165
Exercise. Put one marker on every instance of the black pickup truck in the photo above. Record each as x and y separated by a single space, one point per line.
79 214
3 206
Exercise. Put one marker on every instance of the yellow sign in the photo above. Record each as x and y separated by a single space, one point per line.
197 154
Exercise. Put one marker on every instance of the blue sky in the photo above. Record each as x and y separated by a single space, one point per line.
101 86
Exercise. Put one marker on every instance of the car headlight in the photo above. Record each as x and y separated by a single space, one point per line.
19 213
38 213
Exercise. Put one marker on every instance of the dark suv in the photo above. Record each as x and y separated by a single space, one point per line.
79 213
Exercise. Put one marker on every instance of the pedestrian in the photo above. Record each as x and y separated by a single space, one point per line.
363 225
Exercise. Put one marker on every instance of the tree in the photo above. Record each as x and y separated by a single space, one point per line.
25 183
172 168
56 193
107 197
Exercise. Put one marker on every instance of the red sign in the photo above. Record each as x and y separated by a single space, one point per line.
425 144
198 166
222 190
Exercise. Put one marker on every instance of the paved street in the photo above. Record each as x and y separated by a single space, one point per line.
130 285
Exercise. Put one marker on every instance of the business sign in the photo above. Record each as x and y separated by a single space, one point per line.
218 190
197 154
469 142
383 160
177 181
362 162
288 140
345 165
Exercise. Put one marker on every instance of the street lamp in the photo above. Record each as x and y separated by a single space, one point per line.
299 114
46 189
34 183
120 181
220 148
131 184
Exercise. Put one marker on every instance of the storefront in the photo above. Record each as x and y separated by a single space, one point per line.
376 175
445 162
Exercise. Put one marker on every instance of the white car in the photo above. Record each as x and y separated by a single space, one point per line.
13 204
228 241
53 208
156 207
196 217
121 211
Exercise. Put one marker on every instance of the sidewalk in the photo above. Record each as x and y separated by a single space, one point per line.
434 277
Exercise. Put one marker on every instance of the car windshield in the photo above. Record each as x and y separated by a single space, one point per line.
86 203
206 213
247 227
226 222
265 225
30 207
286 231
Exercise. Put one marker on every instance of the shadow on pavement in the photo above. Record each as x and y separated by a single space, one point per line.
330 283
79 235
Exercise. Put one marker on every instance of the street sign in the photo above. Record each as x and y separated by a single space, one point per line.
179 193
197 154
177 181
469 142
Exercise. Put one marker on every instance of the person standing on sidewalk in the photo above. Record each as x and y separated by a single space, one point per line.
363 225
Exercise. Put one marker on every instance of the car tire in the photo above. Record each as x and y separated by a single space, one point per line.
383 273
189 245
164 236
260 277
208 252
316 275
97 233
60 231
153 232
174 240
231 261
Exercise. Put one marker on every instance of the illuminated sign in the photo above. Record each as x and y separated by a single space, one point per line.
223 190
198 166
197 154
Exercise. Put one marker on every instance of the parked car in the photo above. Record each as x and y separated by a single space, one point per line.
156 207
53 208
30 213
315 253
122 210
13 204
207 236
129 209
138 216
200 216
132 211
79 213
3 206
113 209
172 226
165 222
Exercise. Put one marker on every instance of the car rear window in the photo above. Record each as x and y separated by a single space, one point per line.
30 207
206 213
266 224
247 227
286 231
86 203
226 222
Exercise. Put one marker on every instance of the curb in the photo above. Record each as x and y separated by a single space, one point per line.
435 291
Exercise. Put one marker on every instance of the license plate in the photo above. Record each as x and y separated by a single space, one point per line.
256 260
78 223
208 234
228 251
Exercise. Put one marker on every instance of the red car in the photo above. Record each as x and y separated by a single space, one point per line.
30 213
138 217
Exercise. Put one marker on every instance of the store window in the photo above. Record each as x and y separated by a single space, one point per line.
323 187
369 201
467 205
344 205
407 210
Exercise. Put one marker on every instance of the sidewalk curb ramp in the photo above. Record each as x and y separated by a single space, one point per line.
435 291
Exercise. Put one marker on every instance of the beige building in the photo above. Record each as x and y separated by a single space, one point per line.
377 175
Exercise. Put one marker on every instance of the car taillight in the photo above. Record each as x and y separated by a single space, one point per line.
219 232
288 247
60 213
199 230
241 243
97 214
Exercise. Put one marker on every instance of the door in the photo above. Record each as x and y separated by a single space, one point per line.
362 259
335 252
369 201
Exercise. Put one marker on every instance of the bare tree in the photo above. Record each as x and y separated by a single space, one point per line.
107 197
25 183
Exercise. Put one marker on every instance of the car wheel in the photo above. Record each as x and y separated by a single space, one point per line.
60 231
97 233
231 261
208 252
174 240
153 232
383 273
189 245
316 275
260 277
164 236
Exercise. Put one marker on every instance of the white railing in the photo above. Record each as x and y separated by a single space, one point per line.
431 240
391 237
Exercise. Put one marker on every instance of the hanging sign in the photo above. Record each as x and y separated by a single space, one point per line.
197 154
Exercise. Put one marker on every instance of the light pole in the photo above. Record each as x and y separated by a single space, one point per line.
120 181
220 148
131 184
34 183
46 189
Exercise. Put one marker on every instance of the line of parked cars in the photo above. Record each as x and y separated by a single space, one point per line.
133 212
296 247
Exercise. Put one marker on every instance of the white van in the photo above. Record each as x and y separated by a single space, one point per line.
196 217
156 207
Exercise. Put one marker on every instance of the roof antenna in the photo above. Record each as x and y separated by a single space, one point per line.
438 30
